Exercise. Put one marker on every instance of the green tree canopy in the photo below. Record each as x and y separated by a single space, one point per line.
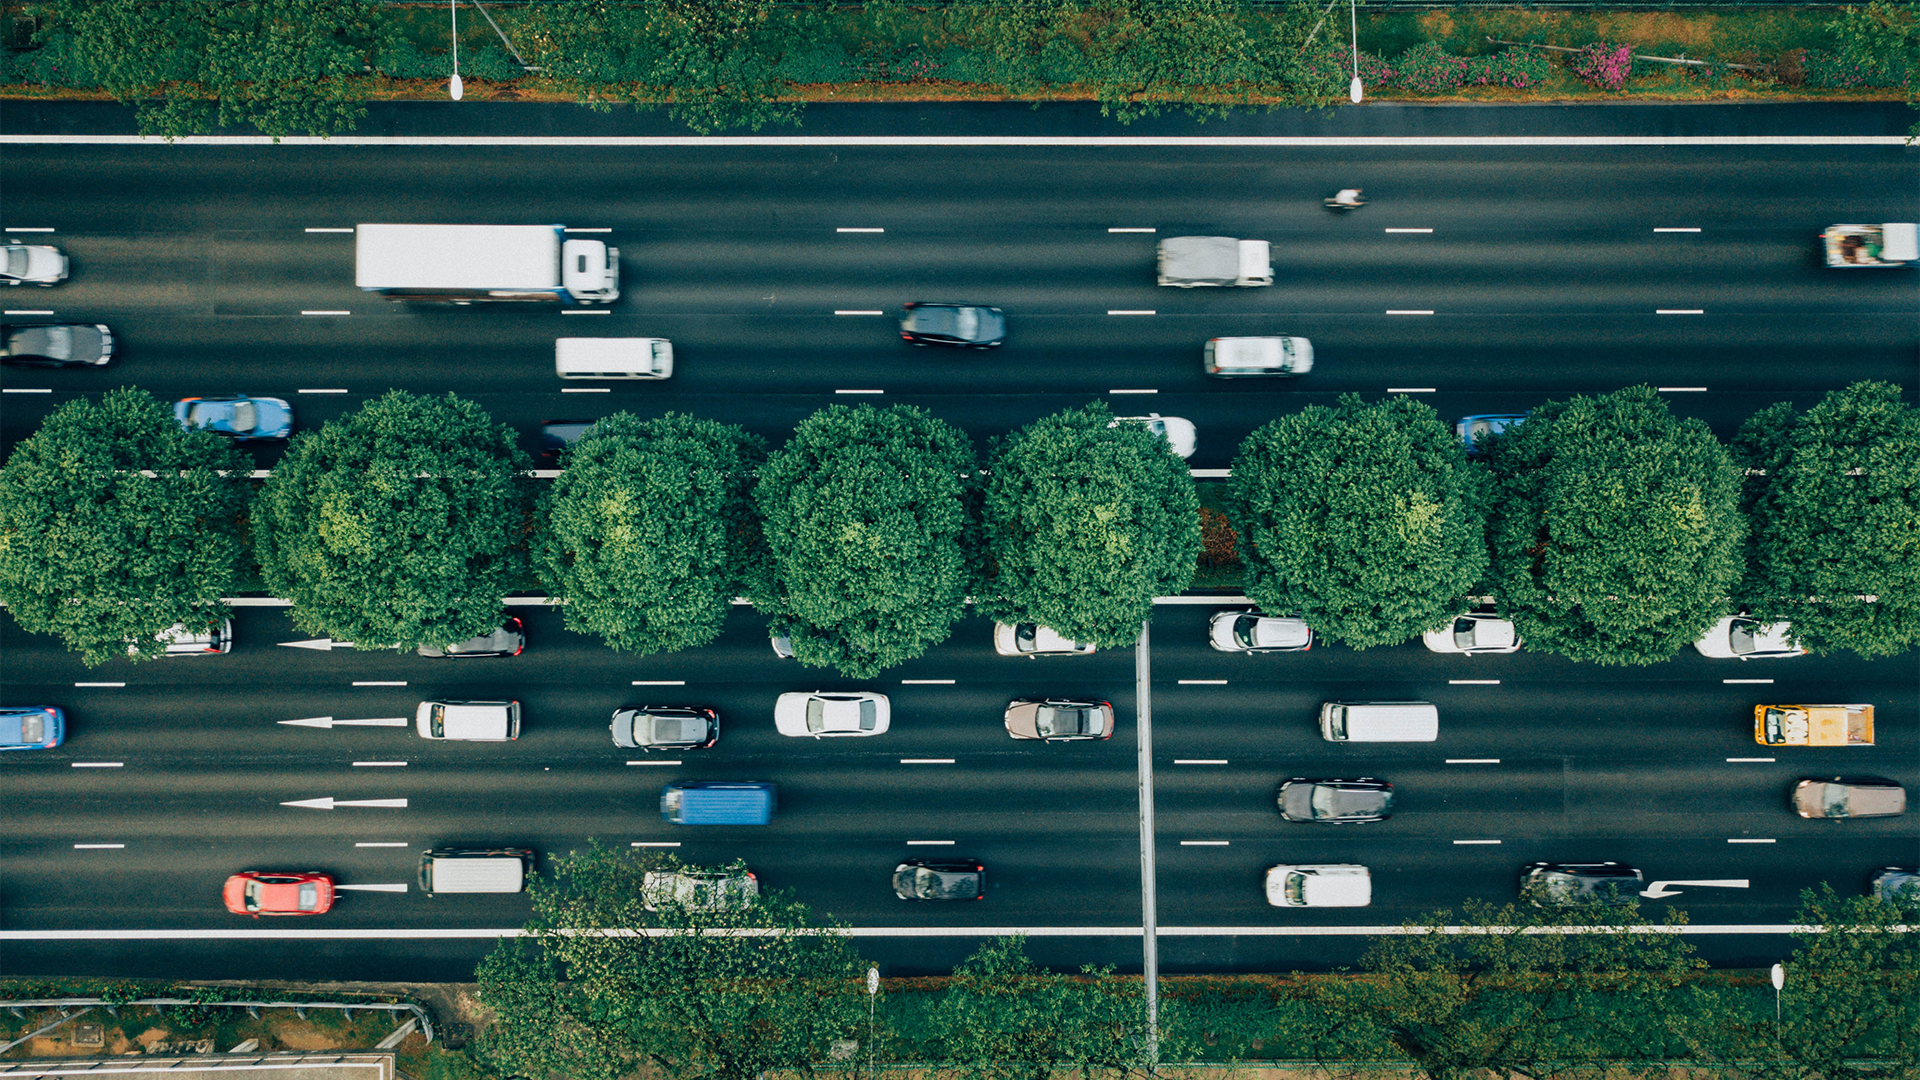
1086 524
1615 528
1148 56
710 62
283 66
402 524
1363 519
725 994
1833 502
1499 998
649 529
115 524
1849 1009
868 517
1003 1017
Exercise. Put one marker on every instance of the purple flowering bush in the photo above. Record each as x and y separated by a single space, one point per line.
1831 71
1603 65
1518 68
1429 69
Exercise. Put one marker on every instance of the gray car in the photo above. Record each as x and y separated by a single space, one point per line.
1848 797
508 640
1568 884
967 325
1336 802
673 727
940 879
1897 884
58 345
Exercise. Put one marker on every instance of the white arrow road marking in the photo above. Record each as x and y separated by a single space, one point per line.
328 722
371 888
1659 888
323 644
329 803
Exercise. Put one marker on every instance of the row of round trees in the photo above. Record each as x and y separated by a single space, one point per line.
1608 529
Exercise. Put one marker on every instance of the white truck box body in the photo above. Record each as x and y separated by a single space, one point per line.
485 262
1188 262
613 358
1888 245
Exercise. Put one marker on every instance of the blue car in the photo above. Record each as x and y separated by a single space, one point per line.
33 727
238 417
1472 429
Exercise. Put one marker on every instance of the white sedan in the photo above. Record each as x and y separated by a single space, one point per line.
1250 632
826 715
32 264
698 890
1031 640
1739 637
1178 431
1472 634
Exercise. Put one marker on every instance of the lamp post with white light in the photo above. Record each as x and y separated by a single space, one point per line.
1353 88
1779 974
454 88
873 990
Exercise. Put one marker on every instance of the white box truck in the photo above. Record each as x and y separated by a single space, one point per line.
466 264
1891 244
1188 262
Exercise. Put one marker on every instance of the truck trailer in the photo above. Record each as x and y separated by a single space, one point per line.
467 264
1188 262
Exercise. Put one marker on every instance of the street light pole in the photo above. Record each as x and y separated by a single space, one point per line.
453 12
1353 88
1779 974
873 990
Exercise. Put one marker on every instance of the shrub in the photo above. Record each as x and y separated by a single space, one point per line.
1429 69
1518 68
1603 65
1790 68
1219 543
1831 71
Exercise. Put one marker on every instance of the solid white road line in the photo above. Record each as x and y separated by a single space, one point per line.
1132 230
346 230
98 847
859 391
1412 390
1659 229
655 843
1679 311
926 761
1203 682
586 389
1199 761
1751 759
1409 230
860 230
1131 311
1743 840
1209 474
585 311
99 764
26 228
330 312
929 843
27 311
926 682
1409 311
587 230
328 390
659 682
1251 141
1462 842
371 888
26 389
381 682
381 843
1761 682
854 311
1473 761
1681 389
380 764
1152 391
1205 843
1473 682
99 685
674 761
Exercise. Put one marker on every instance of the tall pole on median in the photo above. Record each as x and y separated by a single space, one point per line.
454 87
1353 15
1149 911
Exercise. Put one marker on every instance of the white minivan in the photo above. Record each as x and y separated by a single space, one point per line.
474 870
469 721
1379 721
613 358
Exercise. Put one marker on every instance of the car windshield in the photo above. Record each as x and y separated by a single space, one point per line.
437 721
966 323
53 341
1024 633
1833 800
1296 888
1463 633
816 714
1051 720
253 891
245 416
309 896
33 728
1326 801
1740 636
1243 631
16 261
1337 722
869 715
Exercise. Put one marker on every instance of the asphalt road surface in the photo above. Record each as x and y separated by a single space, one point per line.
1544 274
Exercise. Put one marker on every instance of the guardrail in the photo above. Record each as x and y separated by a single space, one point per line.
86 1005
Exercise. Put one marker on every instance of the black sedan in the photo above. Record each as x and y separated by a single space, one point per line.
670 727
58 345
940 879
509 640
1568 884
1336 802
966 325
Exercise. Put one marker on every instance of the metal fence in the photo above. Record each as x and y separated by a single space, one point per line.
73 1008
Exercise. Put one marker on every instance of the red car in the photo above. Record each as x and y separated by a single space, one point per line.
257 893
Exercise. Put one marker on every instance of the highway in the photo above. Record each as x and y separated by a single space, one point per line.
1544 276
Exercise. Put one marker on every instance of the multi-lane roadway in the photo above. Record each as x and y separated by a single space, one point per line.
1544 275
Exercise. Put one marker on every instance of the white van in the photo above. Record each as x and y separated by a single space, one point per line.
183 642
474 870
1379 721
468 721
613 358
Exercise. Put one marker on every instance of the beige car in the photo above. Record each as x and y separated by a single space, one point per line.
1848 797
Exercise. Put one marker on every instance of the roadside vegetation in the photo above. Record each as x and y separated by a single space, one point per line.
1609 530
287 67
1614 991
